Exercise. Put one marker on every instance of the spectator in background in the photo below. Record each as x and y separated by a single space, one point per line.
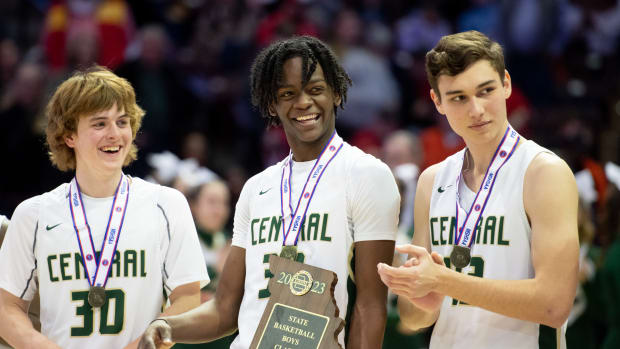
421 28
483 16
109 21
9 62
289 18
162 94
21 108
363 49
439 142
210 205
403 153
610 273
585 316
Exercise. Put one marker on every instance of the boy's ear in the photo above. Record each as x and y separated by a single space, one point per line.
272 111
507 84
70 140
337 100
437 102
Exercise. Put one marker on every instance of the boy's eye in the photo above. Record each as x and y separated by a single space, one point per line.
487 90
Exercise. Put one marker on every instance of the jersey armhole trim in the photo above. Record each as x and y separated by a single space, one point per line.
163 212
34 244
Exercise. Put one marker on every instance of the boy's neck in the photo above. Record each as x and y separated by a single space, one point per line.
478 157
97 185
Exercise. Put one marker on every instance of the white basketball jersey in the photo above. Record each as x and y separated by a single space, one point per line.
157 251
356 200
501 251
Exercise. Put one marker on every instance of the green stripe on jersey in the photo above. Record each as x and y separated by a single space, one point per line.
548 337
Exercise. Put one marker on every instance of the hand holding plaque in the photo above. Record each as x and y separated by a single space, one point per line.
301 312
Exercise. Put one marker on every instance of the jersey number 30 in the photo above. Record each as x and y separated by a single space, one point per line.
106 326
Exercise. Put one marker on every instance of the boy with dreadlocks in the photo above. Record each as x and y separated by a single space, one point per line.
349 224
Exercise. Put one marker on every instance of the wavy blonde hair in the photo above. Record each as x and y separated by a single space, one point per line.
85 93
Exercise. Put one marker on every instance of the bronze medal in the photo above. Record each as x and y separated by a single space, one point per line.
289 252
460 256
96 296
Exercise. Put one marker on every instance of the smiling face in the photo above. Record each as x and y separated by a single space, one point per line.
305 111
474 102
102 142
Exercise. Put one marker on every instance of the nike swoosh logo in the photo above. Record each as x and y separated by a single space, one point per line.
263 192
441 190
48 228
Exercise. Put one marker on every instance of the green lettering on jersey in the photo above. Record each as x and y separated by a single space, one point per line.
478 229
489 229
442 229
49 266
276 225
263 226
324 236
254 221
77 263
142 263
432 225
116 265
130 257
63 266
500 235
452 230
68 262
84 310
313 226
116 297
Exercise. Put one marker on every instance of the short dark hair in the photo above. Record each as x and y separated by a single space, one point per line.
266 72
455 53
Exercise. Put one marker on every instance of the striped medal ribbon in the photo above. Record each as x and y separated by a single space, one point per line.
467 220
296 217
97 269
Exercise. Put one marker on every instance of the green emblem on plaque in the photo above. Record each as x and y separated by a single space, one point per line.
300 283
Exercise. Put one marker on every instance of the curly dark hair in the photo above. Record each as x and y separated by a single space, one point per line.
266 73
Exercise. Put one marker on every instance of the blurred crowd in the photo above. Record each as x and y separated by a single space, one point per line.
189 62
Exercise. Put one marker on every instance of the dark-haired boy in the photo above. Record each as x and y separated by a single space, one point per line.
347 203
501 214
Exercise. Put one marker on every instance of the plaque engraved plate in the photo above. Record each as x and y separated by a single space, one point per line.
301 312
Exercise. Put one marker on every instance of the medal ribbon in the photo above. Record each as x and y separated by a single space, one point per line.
298 215
97 270
466 226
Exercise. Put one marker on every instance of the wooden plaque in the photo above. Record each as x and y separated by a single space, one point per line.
301 312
